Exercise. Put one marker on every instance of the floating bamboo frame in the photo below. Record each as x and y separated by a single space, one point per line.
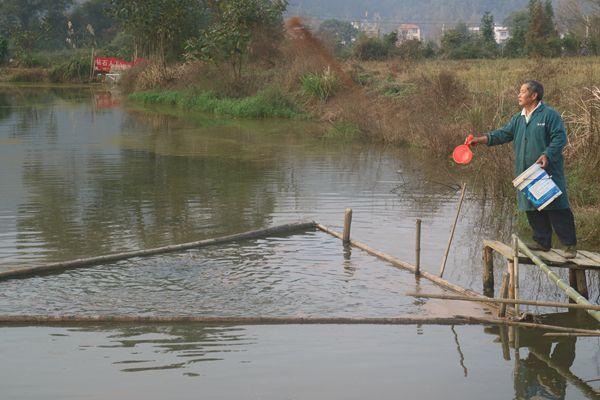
88 262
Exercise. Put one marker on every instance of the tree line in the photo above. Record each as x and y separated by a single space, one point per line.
534 32
232 31
163 30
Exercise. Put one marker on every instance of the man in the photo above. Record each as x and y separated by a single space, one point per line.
538 136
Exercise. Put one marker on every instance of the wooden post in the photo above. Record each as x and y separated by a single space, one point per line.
504 341
488 271
515 247
418 249
572 281
582 286
511 279
504 294
347 224
462 197
92 64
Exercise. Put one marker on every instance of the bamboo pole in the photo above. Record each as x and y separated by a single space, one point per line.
515 260
87 262
347 225
506 301
488 271
28 320
503 294
568 334
404 265
462 197
569 291
510 266
418 248
506 321
258 320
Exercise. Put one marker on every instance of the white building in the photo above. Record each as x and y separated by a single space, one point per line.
370 29
501 33
408 32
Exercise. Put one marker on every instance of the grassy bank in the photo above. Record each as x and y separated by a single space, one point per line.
268 103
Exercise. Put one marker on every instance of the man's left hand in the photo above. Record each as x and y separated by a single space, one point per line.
543 161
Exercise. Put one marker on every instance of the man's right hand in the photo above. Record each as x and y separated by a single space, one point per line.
479 140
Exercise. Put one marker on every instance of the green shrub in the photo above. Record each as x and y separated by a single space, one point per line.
321 86
371 49
32 60
74 70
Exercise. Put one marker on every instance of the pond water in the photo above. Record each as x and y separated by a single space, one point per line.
83 173
290 362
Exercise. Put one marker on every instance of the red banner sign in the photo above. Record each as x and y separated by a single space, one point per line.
107 65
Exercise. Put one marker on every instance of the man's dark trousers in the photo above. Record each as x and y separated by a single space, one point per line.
562 221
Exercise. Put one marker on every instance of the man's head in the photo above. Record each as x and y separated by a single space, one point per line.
531 93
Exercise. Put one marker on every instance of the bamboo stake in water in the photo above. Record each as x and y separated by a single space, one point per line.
569 291
515 246
418 248
505 301
347 225
462 197
504 294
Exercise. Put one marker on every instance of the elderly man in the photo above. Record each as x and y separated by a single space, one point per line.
538 136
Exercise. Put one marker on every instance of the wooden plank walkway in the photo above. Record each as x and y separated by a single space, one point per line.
555 258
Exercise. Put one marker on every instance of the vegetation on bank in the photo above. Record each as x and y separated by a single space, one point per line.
267 103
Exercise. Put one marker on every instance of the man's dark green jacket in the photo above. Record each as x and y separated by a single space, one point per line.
544 134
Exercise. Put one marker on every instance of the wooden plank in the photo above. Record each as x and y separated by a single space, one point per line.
555 260
580 260
500 247
592 256
551 256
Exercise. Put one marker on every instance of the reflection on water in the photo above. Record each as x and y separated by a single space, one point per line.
299 362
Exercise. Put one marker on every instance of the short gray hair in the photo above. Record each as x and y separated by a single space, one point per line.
535 87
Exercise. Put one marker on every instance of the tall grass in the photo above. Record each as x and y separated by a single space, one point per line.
268 103
322 86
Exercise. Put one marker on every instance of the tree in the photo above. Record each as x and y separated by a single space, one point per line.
541 38
97 15
518 24
238 28
160 27
340 35
488 38
459 43
34 24
3 48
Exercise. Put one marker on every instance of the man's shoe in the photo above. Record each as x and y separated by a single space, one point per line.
535 246
570 252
